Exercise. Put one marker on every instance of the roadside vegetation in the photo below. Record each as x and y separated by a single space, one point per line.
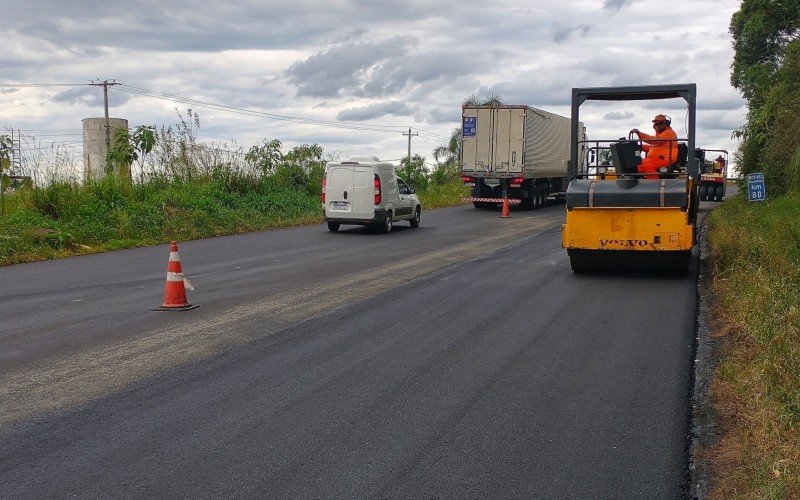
179 189
755 253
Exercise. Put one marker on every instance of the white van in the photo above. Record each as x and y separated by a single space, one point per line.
364 190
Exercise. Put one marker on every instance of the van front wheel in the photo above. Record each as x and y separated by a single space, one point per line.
417 217
387 223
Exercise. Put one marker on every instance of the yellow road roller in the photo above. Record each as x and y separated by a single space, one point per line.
618 219
713 175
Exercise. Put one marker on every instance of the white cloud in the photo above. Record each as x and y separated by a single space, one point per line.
617 115
374 111
616 5
400 64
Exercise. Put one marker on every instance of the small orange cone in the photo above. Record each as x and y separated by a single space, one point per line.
505 213
175 289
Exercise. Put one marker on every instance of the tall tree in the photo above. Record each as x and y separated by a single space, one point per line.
414 172
761 29
766 58
450 152
447 157
265 157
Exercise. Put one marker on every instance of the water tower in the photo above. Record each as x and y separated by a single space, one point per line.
95 149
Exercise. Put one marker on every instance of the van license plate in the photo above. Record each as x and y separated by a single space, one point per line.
340 206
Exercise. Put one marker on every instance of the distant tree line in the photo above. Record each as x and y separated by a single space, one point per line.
766 69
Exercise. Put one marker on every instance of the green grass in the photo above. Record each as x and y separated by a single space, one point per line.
64 218
444 195
756 254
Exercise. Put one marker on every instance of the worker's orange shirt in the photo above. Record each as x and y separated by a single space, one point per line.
663 148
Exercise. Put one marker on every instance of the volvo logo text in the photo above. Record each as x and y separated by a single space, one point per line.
625 243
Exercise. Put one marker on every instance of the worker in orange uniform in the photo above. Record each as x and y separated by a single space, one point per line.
661 149
719 165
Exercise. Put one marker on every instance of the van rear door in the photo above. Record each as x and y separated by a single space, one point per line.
350 192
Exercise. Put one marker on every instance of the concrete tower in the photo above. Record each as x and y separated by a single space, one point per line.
95 150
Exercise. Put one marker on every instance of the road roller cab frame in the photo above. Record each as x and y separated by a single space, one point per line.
626 222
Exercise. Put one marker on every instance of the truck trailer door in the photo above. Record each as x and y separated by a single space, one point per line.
493 139
508 141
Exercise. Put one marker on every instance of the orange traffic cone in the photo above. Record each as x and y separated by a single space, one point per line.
504 214
175 289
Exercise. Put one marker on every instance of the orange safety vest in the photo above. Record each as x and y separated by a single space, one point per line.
661 149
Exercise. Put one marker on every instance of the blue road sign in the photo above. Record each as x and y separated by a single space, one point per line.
756 190
470 125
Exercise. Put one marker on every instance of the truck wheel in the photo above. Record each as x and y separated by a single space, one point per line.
387 223
333 226
417 215
527 201
536 197
528 197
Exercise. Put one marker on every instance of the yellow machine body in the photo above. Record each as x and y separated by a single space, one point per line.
628 228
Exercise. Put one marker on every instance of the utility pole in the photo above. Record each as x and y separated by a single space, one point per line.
409 134
12 160
105 84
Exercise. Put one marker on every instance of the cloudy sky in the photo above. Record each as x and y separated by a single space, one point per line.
353 75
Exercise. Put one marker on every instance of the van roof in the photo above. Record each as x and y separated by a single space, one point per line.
363 159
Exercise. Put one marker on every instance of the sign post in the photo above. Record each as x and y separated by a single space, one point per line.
756 191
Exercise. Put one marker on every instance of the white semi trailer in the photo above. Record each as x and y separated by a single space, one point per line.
514 151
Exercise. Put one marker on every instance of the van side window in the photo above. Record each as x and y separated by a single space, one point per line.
403 187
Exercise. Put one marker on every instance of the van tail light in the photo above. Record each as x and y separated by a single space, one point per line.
517 181
377 183
324 186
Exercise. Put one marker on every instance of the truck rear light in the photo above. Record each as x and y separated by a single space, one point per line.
517 181
324 186
377 183
467 178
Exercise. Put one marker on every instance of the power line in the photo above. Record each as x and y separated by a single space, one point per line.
244 111
42 84
424 135
310 121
